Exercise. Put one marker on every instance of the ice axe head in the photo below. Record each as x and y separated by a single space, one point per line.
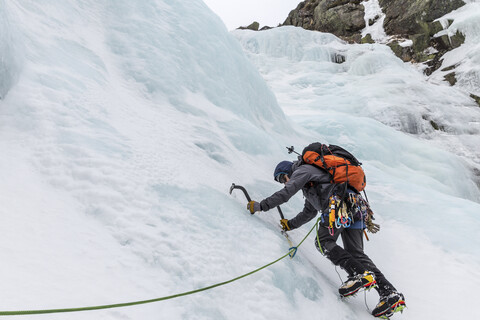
232 187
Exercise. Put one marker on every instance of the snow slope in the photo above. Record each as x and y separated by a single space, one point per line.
122 126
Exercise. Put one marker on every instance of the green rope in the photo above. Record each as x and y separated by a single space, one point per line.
127 304
318 240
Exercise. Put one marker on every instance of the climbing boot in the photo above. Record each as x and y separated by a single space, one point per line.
388 305
357 282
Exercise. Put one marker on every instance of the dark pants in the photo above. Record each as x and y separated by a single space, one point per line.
351 257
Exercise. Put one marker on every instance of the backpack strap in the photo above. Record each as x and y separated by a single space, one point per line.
321 156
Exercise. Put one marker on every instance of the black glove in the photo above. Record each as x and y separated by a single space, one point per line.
284 224
253 206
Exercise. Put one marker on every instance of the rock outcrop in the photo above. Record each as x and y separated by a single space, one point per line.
411 17
415 20
343 18
253 26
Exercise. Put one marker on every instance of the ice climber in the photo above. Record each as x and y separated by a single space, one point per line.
318 190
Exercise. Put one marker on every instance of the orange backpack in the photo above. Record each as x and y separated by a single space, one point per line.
341 164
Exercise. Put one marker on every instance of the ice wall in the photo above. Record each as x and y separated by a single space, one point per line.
9 52
125 127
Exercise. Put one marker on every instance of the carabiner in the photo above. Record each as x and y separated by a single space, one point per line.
331 231
348 222
338 223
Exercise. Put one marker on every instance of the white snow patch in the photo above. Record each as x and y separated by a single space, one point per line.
373 11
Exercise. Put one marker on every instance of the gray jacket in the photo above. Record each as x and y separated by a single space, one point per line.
316 188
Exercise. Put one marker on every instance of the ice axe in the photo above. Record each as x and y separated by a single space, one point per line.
234 186
293 249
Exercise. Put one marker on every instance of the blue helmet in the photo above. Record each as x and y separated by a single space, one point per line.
284 167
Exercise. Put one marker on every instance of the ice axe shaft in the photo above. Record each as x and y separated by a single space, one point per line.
284 232
280 212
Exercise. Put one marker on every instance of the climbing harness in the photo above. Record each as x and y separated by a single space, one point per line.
346 210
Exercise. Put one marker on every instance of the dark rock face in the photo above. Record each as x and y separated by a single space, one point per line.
409 17
302 16
414 20
421 42
343 18
476 98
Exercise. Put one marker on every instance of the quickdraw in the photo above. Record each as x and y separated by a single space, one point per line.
359 205
331 216
343 218
338 216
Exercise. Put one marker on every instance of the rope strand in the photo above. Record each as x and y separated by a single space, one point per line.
291 252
